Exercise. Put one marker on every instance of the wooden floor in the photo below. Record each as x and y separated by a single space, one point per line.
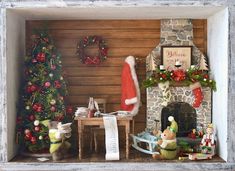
135 156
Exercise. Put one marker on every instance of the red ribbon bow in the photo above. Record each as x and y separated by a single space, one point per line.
92 60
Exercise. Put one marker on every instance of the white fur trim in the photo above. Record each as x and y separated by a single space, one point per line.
195 85
171 118
131 61
131 101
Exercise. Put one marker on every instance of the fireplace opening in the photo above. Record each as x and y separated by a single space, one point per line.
184 114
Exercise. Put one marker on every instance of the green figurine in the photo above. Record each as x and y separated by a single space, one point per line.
168 143
58 134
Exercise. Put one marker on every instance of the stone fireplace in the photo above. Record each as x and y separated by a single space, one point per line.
176 32
179 94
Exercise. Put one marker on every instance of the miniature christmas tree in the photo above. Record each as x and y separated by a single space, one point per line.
203 64
43 94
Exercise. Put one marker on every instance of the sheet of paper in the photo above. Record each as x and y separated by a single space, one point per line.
111 138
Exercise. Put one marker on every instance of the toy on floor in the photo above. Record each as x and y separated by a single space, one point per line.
199 156
146 141
58 133
168 143
192 134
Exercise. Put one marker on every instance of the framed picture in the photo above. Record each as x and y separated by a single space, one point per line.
176 54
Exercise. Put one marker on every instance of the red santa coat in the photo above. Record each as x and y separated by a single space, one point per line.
130 100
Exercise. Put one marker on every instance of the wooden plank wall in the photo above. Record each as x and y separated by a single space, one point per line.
124 37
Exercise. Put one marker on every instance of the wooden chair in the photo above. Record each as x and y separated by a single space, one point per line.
95 131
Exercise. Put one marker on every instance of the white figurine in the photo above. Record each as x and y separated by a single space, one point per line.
208 141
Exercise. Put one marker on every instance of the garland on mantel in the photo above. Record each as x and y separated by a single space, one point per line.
180 77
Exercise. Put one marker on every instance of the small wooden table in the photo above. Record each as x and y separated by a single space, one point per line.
98 121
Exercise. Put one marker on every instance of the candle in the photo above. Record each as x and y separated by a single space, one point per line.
192 66
152 64
162 67
177 63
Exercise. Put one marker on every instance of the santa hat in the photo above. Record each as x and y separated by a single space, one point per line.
174 126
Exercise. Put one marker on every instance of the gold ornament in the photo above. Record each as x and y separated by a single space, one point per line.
53 102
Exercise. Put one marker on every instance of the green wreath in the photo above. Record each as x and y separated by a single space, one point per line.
92 60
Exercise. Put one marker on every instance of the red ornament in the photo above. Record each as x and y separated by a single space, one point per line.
69 110
85 40
41 57
53 108
53 56
18 119
34 60
206 76
179 75
32 117
27 136
33 140
37 128
104 51
163 75
31 88
47 84
27 132
53 67
37 107
57 84
192 135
